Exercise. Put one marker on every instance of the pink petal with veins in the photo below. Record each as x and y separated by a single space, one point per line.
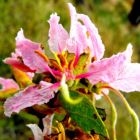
106 70
16 61
30 96
85 34
94 40
25 57
128 79
8 84
78 38
57 35
30 58
18 64
117 71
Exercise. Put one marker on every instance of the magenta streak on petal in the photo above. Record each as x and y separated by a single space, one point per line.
50 70
84 75
77 54
18 64
56 73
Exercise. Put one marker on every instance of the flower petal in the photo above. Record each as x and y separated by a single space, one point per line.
47 123
57 35
117 71
28 49
85 34
129 78
25 77
78 38
15 61
94 40
30 96
106 70
8 84
38 135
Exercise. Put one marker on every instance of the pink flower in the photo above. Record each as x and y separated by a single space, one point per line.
83 39
117 71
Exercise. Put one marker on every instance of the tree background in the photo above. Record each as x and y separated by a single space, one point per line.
111 18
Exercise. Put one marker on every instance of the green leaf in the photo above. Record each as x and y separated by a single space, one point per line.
84 114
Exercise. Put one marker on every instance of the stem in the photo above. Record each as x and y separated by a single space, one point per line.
65 92
134 116
114 115
93 98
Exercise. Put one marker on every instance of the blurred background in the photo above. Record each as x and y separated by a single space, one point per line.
111 18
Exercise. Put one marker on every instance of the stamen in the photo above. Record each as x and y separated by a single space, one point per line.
62 135
63 60
54 64
71 64
42 55
92 138
114 115
57 59
76 58
93 59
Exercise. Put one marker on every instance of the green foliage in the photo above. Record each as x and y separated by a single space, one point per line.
9 129
84 114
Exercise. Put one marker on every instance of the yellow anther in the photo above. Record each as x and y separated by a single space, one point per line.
88 34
